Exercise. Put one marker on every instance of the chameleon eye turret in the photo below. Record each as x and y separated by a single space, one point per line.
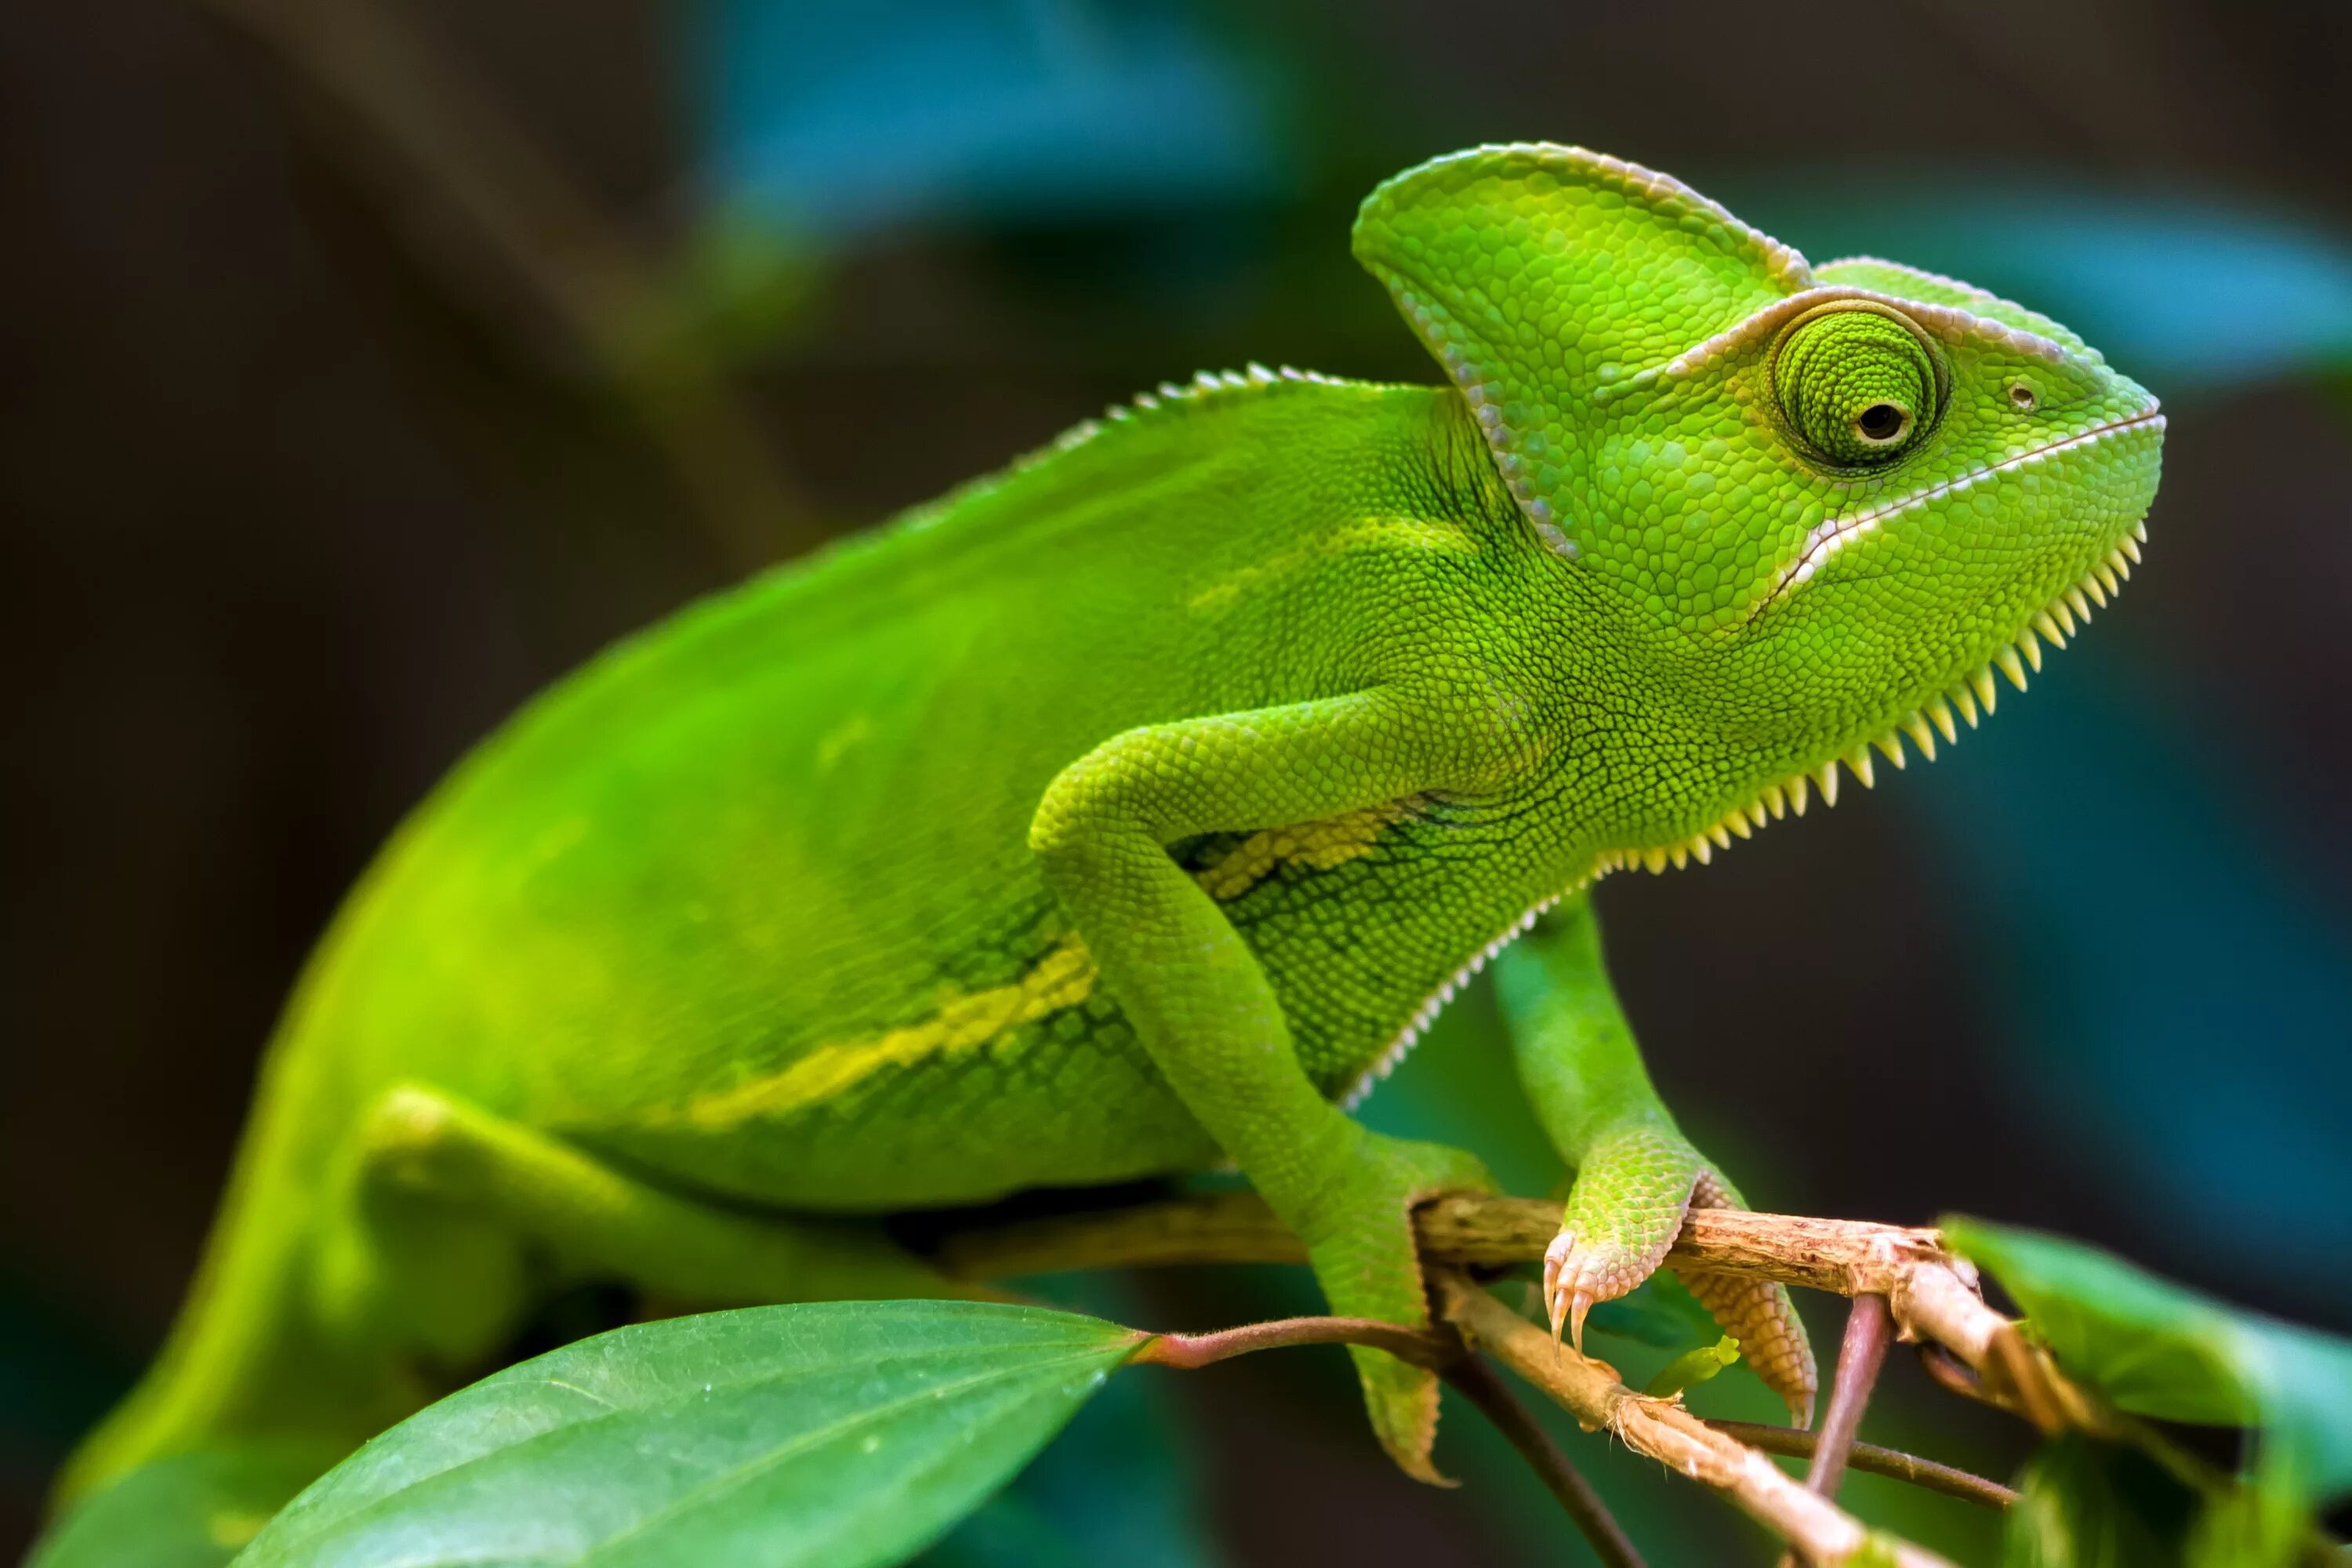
1858 387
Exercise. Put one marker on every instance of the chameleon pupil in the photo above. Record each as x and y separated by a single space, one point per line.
1880 422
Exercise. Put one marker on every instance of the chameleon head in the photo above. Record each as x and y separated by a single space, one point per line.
1821 505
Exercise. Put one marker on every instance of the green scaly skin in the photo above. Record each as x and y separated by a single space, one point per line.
1126 810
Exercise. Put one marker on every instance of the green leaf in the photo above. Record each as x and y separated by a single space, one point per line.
190 1510
2157 1349
837 1434
1694 1366
2084 1504
1121 1484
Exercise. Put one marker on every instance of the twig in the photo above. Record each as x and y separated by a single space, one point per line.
1443 1351
1868 1327
1190 1351
1861 1354
1931 1293
1478 1384
1872 1459
1821 1530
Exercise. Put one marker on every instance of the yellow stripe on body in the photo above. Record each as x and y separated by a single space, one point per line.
1320 846
1064 977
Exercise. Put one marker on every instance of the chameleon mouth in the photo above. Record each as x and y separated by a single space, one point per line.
1828 537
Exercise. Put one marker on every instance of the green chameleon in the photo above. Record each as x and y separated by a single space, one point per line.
1134 809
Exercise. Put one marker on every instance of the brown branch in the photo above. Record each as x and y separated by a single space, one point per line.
1481 1387
1932 1293
1663 1430
1848 1257
1872 1459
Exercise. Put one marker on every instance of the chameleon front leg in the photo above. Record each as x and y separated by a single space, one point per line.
1636 1174
1202 1007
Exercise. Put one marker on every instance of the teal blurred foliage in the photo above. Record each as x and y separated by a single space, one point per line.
832 122
818 127
2173 1000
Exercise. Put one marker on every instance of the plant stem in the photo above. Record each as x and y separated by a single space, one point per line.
1481 1387
1442 1352
1872 1459
1192 1352
1868 1328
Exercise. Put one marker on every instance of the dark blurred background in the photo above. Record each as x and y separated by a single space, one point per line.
368 362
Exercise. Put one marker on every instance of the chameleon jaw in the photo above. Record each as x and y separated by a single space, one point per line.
1972 694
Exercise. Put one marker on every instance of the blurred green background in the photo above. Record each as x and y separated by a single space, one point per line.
372 362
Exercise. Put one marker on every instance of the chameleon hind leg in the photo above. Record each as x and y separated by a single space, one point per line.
459 1219
1636 1174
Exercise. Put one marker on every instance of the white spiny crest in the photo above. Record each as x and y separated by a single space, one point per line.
1426 1014
1205 385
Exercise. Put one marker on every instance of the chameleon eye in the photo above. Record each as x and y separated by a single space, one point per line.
1856 386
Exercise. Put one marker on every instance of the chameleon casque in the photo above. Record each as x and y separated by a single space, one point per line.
1130 810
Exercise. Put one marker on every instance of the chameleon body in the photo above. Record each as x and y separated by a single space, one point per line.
1127 811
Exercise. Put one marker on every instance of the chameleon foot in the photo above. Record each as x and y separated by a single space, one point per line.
1623 1214
1362 1249
1627 1206
1758 1314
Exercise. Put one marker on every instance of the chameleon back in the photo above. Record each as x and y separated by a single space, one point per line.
750 900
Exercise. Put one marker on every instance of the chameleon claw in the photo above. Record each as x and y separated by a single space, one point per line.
1555 1258
1568 1297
